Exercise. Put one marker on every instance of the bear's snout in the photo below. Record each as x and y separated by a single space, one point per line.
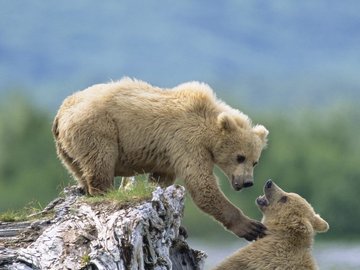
239 182
268 183
272 192
236 183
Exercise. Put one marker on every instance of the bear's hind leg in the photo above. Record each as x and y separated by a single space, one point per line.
99 170
72 166
99 180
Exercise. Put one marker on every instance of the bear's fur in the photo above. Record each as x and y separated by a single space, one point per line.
130 127
291 224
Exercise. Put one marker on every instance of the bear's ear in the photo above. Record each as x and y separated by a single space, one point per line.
226 122
262 132
319 224
242 120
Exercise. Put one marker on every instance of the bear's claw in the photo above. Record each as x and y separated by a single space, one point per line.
258 230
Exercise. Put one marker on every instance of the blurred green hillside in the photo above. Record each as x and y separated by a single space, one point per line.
316 154
29 169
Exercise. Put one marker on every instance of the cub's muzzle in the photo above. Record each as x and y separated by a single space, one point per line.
271 193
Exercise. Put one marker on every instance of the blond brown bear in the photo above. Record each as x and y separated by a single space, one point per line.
291 223
128 127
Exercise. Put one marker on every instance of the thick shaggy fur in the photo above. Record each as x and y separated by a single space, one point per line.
291 223
128 127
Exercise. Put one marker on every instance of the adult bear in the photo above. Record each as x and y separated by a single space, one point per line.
129 127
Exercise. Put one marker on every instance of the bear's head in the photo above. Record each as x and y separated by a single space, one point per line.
238 147
289 213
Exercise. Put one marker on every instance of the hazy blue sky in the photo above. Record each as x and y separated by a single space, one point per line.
259 52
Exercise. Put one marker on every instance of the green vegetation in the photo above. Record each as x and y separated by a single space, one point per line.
142 190
13 216
85 259
316 154
29 212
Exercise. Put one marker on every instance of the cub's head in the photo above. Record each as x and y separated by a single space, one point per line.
238 148
288 212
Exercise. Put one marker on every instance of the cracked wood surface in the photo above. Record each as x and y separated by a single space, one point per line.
82 235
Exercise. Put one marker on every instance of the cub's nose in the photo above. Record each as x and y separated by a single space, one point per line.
268 183
248 184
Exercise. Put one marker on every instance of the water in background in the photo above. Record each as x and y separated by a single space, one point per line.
329 255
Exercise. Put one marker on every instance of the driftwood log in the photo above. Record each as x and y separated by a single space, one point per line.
71 233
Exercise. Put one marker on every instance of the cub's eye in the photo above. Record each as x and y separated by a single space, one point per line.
240 158
255 163
283 199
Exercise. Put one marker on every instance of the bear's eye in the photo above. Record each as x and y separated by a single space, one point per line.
240 158
255 163
283 199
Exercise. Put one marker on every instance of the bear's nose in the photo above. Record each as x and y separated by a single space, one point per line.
268 183
237 186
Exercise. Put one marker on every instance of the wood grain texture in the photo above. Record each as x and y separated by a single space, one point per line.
105 235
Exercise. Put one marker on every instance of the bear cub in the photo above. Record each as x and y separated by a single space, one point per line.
292 224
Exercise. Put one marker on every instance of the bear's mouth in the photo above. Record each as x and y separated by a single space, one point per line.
262 201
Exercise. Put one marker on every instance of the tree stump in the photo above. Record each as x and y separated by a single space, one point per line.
105 235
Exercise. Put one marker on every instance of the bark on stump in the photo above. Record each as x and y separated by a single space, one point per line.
82 235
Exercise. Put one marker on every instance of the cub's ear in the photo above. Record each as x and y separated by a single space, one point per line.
226 122
262 132
319 224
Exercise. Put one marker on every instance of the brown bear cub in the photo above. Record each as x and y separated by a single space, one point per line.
291 223
130 127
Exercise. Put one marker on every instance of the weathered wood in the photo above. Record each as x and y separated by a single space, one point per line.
82 235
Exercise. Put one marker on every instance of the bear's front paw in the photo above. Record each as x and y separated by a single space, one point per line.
249 229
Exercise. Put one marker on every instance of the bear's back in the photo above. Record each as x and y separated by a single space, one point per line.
134 97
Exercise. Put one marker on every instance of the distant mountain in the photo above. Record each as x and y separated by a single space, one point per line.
260 54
